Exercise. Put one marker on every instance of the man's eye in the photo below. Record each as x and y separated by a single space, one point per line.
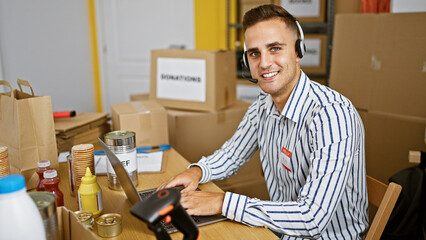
274 49
254 54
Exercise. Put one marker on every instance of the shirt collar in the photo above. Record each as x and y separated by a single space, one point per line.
294 104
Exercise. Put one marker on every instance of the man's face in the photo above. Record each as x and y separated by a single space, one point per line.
272 57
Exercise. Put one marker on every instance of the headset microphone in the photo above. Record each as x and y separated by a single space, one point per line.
248 78
245 66
252 80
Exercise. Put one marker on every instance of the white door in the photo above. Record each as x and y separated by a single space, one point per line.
128 30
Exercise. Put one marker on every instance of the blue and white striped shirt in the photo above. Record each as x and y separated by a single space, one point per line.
313 161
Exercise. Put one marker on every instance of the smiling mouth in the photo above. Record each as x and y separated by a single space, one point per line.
268 75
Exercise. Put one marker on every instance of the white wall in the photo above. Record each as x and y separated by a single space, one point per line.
47 42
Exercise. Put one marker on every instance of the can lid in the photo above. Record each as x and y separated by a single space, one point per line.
83 215
43 200
43 163
11 183
50 174
120 138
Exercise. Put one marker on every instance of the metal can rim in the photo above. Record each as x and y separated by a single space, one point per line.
109 230
120 138
87 217
45 202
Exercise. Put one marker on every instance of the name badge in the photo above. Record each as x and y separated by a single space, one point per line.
285 159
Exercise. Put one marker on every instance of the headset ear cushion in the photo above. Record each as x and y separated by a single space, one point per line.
300 48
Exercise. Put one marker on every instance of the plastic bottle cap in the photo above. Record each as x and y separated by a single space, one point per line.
11 183
50 174
43 163
88 177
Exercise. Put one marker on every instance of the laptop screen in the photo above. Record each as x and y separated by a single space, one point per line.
122 175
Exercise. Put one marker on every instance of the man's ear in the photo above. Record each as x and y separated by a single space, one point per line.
298 58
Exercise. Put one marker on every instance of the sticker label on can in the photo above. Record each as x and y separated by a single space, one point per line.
128 160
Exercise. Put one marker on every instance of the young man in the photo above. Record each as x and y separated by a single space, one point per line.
311 142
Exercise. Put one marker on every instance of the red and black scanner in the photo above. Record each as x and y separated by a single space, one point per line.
165 205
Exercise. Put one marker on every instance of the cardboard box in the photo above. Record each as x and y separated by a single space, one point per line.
319 80
197 134
347 6
363 114
90 136
81 129
305 11
70 228
139 97
148 119
248 181
378 62
389 138
252 188
387 89
193 79
314 60
247 91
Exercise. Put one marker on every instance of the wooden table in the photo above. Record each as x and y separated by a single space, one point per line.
133 228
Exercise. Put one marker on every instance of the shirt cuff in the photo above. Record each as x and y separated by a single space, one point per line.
205 171
234 206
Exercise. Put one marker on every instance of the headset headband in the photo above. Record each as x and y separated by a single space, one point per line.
302 36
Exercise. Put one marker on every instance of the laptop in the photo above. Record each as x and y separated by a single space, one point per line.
134 196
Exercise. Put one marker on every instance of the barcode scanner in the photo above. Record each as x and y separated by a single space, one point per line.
165 205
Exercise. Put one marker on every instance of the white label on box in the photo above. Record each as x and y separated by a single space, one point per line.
247 93
101 164
147 162
150 162
302 8
401 6
181 79
312 57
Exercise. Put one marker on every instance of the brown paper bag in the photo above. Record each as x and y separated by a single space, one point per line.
27 129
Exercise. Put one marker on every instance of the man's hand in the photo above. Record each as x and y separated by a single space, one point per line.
200 203
197 203
189 179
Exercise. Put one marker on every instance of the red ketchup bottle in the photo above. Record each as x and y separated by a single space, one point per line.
51 182
42 165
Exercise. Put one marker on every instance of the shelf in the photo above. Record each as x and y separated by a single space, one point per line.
314 27
237 25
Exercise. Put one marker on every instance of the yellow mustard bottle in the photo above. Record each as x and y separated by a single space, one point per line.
90 194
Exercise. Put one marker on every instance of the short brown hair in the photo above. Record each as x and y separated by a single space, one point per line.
267 12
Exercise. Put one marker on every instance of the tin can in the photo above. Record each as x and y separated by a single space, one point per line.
71 176
109 225
85 217
46 204
122 143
